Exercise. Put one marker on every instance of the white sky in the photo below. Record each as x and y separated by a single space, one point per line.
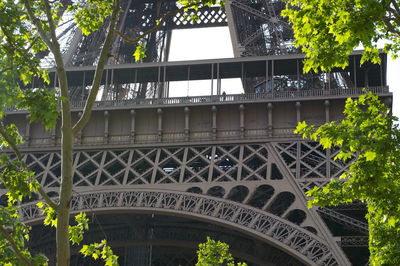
209 43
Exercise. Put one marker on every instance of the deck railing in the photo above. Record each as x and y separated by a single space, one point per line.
249 97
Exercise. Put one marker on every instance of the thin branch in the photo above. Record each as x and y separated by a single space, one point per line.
157 27
62 75
395 14
99 71
396 6
10 142
15 149
50 20
21 257
47 199
38 25
390 27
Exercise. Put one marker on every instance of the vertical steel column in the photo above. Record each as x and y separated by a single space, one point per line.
214 122
272 75
212 79
78 137
133 126
159 88
241 118
106 128
27 131
187 128
266 75
218 81
83 86
355 72
298 74
328 151
269 128
113 87
298 112
188 81
159 127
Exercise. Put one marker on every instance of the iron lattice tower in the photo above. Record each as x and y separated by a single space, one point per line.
159 174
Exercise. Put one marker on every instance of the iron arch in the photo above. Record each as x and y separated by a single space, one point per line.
296 241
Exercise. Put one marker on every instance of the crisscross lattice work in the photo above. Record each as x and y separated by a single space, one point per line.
308 160
207 17
224 163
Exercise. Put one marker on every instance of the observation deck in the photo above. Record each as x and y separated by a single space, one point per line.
277 96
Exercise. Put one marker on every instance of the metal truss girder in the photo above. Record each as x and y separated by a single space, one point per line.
354 241
251 10
220 171
300 243
344 219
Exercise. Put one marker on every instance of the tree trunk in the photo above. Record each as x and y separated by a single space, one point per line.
63 245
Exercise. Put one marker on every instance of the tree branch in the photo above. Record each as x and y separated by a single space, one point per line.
99 71
395 14
38 25
157 27
15 149
21 257
47 199
10 142
390 27
396 6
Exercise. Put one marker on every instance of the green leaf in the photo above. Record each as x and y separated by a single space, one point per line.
300 127
370 155
344 156
392 221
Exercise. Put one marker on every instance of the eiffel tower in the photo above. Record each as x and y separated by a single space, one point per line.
158 174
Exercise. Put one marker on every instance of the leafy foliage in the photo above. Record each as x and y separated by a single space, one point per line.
213 253
76 231
100 251
50 214
18 47
42 105
329 30
13 235
90 15
369 134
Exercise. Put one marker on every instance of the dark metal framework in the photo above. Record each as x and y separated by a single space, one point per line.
241 181
266 74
